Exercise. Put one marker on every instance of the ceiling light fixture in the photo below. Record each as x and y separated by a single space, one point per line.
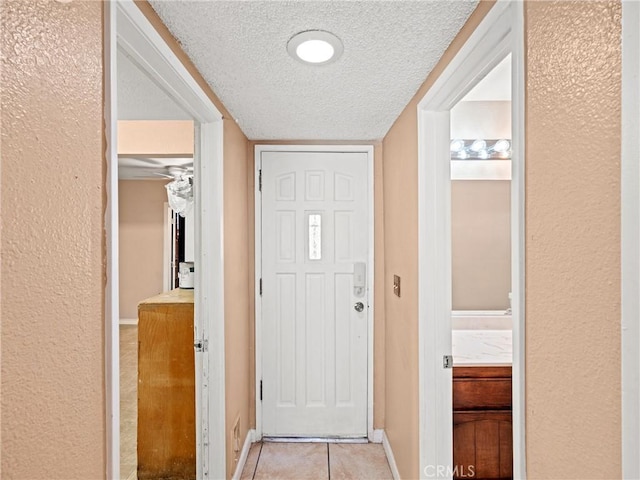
180 192
315 47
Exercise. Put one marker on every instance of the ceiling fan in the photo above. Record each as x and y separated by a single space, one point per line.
178 169
143 167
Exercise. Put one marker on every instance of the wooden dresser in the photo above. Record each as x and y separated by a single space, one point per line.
166 387
482 432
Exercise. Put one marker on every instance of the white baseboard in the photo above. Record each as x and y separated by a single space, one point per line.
128 321
390 458
251 434
376 436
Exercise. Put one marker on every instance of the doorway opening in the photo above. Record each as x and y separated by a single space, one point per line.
481 277
127 29
499 35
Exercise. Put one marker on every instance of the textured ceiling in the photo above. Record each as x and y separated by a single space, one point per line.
389 49
139 98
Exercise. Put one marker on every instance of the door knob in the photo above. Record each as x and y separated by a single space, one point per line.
359 307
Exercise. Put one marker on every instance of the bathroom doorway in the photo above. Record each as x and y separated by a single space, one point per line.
500 34
481 320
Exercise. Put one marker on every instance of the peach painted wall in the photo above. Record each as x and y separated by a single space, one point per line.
236 292
236 246
167 137
480 244
572 246
379 329
52 275
142 208
141 242
573 239
400 173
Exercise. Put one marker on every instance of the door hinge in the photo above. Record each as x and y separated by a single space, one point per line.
201 345
260 390
447 361
260 180
260 288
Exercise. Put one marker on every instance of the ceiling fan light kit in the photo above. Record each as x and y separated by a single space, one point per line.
180 195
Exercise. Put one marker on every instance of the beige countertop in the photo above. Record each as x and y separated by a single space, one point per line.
481 347
178 295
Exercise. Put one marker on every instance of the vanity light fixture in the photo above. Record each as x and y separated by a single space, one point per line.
315 47
478 145
480 149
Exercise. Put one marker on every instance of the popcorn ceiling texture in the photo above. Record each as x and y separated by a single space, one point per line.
240 49
139 98
52 190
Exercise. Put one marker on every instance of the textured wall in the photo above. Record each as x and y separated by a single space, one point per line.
236 288
572 247
141 243
53 406
573 239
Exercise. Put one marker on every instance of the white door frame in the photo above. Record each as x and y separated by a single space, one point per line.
630 232
127 27
500 32
368 149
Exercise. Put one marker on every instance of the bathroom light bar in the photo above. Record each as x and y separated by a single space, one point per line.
480 149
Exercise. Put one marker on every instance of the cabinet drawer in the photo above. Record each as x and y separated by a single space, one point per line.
482 392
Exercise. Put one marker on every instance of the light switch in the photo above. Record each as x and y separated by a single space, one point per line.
396 285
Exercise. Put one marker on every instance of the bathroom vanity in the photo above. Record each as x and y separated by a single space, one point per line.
482 426
482 431
166 387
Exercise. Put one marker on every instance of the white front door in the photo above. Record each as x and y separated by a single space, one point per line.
315 249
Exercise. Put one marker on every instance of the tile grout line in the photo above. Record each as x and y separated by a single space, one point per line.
328 462
255 469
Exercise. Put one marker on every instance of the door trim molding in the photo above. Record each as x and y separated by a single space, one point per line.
368 149
630 248
500 32
126 27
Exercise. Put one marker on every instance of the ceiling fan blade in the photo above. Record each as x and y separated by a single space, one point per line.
160 174
134 160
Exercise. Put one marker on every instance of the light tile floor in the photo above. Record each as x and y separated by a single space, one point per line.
316 461
128 401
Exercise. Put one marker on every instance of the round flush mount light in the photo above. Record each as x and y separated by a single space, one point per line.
315 47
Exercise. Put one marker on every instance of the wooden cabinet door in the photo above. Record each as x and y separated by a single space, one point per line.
482 432
166 392
482 445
